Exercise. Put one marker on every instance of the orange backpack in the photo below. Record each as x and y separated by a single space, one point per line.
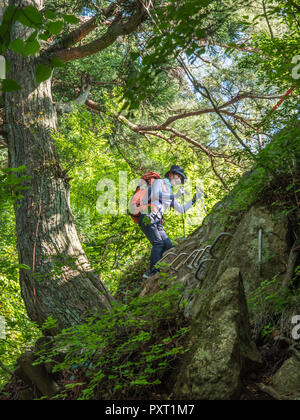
142 195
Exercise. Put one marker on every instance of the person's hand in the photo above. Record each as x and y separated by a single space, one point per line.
198 195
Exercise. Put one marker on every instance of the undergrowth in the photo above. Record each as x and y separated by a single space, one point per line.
271 307
123 353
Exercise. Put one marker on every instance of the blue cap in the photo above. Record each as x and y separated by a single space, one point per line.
175 169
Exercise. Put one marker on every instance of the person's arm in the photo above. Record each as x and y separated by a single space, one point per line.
184 209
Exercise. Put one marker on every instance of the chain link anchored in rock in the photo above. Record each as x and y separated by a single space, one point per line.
209 248
198 261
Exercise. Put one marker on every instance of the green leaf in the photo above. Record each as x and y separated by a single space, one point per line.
57 62
44 35
289 187
10 85
32 36
17 45
31 48
55 27
10 11
73 385
50 15
23 266
34 14
18 169
70 18
42 73
30 16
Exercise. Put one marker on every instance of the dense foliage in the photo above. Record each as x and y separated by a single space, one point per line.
126 351
189 60
19 330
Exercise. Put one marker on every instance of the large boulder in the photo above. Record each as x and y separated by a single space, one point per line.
259 258
221 349
244 249
285 384
253 249
287 379
37 375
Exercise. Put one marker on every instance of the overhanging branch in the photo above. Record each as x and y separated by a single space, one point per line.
117 28
3 144
87 27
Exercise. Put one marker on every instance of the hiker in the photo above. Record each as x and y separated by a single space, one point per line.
151 223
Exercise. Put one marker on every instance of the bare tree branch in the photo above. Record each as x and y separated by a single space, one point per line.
87 27
240 47
118 28
3 144
217 174
155 129
267 19
198 112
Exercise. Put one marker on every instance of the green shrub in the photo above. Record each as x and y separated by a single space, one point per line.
123 353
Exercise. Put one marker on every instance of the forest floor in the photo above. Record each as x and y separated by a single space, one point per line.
272 356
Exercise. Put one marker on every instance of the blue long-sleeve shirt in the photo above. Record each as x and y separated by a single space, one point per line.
162 197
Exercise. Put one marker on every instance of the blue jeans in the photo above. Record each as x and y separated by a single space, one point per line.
156 234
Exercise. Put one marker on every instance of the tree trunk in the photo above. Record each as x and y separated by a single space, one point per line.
60 282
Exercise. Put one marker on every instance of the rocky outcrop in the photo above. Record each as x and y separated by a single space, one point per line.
228 267
287 378
219 265
37 375
221 347
285 384
259 247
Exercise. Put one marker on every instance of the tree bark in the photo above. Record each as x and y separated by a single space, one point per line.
60 282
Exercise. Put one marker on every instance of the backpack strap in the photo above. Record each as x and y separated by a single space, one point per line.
164 189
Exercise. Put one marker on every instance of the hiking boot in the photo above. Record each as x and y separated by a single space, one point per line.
150 273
